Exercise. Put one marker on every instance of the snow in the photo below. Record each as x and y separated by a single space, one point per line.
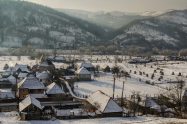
12 118
28 101
150 34
54 89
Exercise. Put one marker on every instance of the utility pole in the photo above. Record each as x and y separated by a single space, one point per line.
122 94
114 84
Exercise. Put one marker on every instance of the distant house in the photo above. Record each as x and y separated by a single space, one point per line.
104 104
88 65
30 85
83 74
43 76
6 94
22 75
21 68
53 90
5 83
57 58
12 79
30 109
46 66
8 101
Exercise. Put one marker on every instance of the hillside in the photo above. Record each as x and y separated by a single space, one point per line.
109 20
167 31
25 23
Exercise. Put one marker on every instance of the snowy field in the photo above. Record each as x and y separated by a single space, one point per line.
137 82
12 118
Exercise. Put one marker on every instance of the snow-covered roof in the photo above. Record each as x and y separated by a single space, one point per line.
59 58
54 89
22 75
31 82
87 65
43 75
152 104
28 101
12 79
6 94
22 67
103 102
83 71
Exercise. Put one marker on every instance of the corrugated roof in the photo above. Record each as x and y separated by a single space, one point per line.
28 101
103 102
54 89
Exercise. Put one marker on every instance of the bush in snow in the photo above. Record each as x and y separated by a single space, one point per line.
147 82
180 74
147 75
106 69
140 73
6 67
173 73
134 72
152 76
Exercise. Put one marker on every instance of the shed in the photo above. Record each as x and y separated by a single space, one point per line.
54 90
83 74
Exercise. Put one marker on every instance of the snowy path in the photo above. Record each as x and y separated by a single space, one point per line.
71 92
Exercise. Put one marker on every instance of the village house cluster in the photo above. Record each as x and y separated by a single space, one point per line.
46 91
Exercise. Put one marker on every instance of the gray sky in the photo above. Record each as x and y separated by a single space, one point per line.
116 5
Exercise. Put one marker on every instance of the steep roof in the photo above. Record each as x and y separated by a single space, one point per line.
12 79
54 89
22 75
31 82
104 103
28 101
83 71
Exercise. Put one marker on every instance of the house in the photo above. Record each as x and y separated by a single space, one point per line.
57 58
88 66
12 79
30 109
54 90
43 77
46 66
83 74
30 85
6 94
8 102
104 104
22 75
5 83
21 68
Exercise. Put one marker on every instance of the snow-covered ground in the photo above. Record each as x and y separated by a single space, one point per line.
12 118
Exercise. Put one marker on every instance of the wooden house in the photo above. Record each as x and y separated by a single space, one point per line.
46 66
83 74
30 109
44 77
54 90
30 85
88 65
104 104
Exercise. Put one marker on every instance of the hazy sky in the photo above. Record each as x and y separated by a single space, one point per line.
118 5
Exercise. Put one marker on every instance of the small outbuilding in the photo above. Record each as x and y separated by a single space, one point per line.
83 74
54 90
